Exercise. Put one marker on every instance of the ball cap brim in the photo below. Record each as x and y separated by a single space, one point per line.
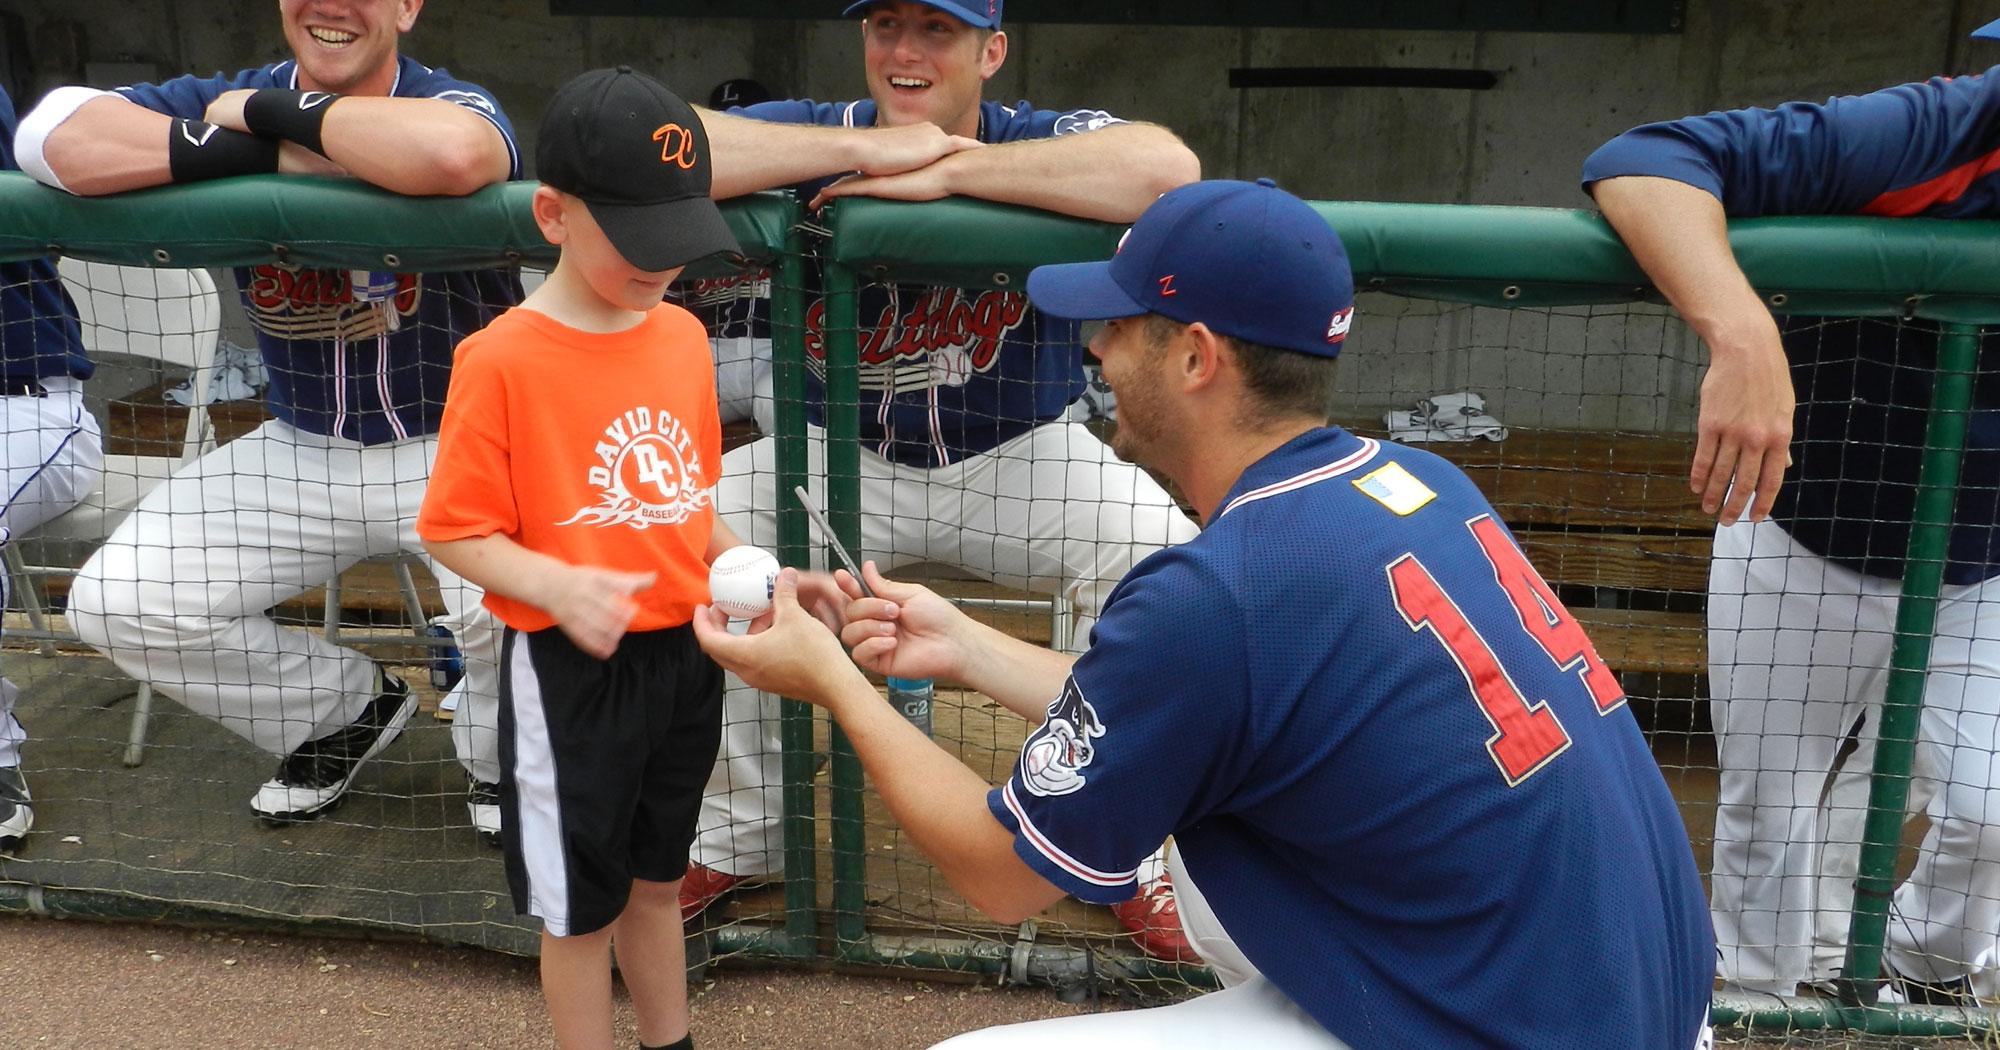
1989 31
971 12
1080 292
665 235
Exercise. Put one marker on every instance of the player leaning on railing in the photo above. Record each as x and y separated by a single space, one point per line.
1802 603
180 594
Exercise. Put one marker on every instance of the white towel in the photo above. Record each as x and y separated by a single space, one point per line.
1459 416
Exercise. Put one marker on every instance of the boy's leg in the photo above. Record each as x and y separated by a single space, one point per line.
576 983
652 958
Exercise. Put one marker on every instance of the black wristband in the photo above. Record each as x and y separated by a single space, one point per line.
295 116
198 150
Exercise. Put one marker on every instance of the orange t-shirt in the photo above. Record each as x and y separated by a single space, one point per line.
596 449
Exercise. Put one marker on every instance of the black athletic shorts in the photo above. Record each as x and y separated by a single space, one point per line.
602 768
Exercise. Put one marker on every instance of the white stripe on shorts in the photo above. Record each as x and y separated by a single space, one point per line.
541 834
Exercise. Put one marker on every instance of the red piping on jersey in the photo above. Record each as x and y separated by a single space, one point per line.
1054 853
1948 187
1369 446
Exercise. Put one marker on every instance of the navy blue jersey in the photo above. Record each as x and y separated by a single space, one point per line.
1408 787
39 334
946 373
1928 149
366 365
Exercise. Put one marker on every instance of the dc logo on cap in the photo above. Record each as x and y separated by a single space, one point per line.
676 145
1336 330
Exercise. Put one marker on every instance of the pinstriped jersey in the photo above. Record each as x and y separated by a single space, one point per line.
945 373
363 363
39 333
1407 785
1928 149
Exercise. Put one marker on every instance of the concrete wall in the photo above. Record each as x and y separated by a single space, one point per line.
1522 142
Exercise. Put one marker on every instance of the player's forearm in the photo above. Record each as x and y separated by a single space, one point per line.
750 155
1111 174
940 804
1019 676
1680 236
415 146
106 145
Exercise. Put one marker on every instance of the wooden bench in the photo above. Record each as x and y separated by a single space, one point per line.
1605 515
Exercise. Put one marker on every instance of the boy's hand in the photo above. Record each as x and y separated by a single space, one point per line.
594 606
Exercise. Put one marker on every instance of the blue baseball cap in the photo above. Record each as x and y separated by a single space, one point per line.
982 13
1989 31
1246 259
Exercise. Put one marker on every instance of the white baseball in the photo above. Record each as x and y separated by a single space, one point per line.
740 581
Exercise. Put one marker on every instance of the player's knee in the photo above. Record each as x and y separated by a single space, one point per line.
103 607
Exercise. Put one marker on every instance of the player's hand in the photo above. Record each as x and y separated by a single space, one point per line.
792 655
1744 432
924 184
594 606
905 631
888 151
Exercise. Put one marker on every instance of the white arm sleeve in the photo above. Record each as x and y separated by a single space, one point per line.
55 107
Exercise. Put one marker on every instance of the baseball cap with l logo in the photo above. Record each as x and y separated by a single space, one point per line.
638 157
1246 259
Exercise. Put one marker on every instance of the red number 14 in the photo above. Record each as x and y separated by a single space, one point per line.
1525 736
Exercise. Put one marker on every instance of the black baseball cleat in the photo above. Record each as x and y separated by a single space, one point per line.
16 815
1897 988
482 802
314 778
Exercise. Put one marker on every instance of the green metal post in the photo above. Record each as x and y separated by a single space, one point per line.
1916 618
843 511
795 718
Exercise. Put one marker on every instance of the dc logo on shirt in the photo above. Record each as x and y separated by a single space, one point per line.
1053 757
649 473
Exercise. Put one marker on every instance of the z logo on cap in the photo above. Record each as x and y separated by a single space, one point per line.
1336 330
676 145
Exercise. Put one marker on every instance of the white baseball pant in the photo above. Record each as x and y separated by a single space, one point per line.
1052 511
55 455
1799 649
180 595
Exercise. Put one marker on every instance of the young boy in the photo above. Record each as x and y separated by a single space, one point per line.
579 450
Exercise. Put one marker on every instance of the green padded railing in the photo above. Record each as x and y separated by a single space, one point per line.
315 221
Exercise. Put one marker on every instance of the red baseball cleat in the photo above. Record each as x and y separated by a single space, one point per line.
703 886
1154 921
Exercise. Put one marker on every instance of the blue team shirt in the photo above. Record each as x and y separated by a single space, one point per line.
369 369
945 373
39 334
1926 149
1278 694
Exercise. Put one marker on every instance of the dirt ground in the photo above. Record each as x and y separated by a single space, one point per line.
82 985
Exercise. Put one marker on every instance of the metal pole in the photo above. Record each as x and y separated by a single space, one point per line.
1916 619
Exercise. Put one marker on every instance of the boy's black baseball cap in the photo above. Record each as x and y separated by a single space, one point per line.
638 157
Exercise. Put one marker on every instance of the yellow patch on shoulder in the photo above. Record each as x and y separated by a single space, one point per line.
1395 488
